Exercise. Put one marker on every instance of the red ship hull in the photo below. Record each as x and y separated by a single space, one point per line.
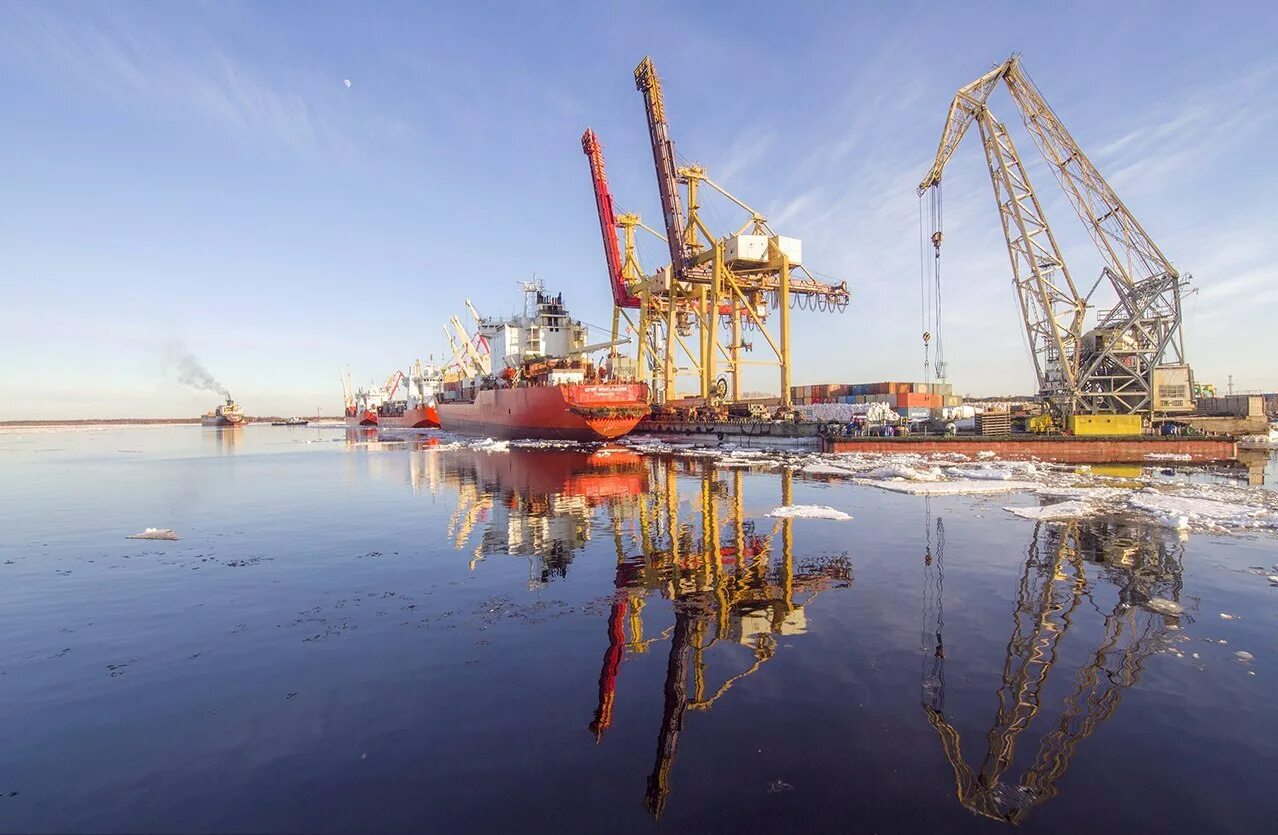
584 412
418 417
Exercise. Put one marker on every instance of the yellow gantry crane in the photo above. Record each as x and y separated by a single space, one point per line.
712 280
1132 361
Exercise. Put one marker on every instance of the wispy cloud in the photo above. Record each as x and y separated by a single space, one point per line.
1179 137
746 150
183 72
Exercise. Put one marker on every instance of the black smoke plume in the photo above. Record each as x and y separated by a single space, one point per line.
191 372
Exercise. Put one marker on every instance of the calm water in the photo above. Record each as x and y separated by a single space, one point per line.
354 635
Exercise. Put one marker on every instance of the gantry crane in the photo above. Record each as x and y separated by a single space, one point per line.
711 280
1133 360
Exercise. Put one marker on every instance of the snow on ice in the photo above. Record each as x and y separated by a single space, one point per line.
808 511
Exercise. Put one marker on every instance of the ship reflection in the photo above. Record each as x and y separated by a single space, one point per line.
538 504
729 582
224 439
680 533
1128 567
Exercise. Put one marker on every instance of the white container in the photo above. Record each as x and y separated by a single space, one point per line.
748 249
792 248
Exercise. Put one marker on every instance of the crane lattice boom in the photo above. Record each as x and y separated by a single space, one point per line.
1133 360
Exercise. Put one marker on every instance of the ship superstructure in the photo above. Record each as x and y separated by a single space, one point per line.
530 376
225 414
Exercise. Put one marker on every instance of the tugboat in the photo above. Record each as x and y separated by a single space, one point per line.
546 387
293 421
227 414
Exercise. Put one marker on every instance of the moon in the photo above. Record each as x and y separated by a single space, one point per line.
346 81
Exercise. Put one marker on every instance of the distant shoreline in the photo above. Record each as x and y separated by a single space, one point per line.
195 421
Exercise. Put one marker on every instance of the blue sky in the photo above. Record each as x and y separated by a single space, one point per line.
200 172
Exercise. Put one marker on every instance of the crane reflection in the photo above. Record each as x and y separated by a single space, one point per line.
730 582
1054 591
680 534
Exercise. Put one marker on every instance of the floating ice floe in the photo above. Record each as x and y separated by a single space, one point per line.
1073 509
827 469
951 488
808 511
540 444
1184 512
1163 606
1095 494
154 533
905 471
489 445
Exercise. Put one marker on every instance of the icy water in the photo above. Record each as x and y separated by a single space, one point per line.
359 635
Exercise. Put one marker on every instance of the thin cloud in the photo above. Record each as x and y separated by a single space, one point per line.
179 73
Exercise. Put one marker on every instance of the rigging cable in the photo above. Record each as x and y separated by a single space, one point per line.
937 235
924 307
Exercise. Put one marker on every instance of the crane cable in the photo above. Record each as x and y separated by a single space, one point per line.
923 300
937 235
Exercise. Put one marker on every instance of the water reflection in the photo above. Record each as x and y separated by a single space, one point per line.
538 504
224 439
730 582
680 533
1134 565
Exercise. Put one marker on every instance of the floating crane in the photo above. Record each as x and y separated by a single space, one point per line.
1133 360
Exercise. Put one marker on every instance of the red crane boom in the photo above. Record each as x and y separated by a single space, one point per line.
621 296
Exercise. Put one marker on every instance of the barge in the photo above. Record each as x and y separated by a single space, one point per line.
1148 449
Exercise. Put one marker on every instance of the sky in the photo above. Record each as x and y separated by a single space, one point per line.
201 178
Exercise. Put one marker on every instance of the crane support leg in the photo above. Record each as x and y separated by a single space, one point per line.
783 301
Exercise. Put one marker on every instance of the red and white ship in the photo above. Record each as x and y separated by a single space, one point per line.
403 401
533 379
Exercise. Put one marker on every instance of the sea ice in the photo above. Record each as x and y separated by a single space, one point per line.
154 533
489 445
1186 512
1163 606
951 488
905 471
1061 510
808 511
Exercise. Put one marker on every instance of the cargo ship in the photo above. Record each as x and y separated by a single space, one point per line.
379 405
226 414
542 385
